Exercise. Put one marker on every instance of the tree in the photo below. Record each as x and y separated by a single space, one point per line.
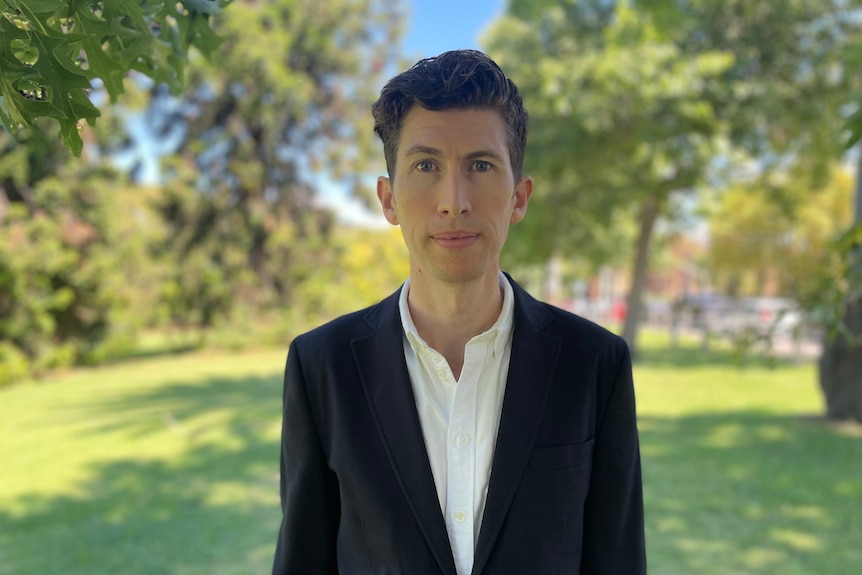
287 95
692 82
73 257
52 51
69 251
619 125
753 236
841 363
236 223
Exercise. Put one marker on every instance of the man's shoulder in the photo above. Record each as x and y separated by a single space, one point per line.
347 327
584 340
565 324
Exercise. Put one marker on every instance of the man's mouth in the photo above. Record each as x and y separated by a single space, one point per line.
455 239
454 235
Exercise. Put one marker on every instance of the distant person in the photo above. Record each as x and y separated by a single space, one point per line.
459 426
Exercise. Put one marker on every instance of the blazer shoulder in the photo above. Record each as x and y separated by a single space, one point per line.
344 329
571 322
583 335
571 328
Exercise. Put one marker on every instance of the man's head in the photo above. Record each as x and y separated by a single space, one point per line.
461 79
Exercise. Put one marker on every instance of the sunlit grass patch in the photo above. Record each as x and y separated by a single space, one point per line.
741 475
168 465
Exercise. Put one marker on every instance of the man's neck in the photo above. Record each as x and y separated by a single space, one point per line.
447 316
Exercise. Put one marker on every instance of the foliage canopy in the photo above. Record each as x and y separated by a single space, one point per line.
234 232
53 50
638 107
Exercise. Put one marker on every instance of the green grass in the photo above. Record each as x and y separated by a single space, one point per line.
160 466
169 465
741 474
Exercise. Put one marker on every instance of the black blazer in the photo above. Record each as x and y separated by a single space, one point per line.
357 492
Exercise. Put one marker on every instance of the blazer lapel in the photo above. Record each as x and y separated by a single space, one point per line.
531 369
383 370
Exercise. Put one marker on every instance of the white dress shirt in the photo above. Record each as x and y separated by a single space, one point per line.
460 419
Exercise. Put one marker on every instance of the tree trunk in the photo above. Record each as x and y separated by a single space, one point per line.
648 217
840 367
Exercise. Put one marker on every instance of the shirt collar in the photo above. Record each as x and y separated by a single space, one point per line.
501 330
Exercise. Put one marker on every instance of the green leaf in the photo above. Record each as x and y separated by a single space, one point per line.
25 53
6 115
25 18
41 42
70 132
103 57
18 19
33 88
41 6
10 72
202 36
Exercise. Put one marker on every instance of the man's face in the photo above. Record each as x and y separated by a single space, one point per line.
453 193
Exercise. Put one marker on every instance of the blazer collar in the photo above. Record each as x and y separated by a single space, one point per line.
383 370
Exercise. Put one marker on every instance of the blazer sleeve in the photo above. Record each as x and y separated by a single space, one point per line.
309 488
613 515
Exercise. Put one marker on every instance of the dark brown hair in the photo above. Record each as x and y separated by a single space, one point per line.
459 79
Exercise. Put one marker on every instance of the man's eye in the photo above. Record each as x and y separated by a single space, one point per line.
482 166
425 166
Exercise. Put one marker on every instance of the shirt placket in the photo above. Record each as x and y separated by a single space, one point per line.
461 457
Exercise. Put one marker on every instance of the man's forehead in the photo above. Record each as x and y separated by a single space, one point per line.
425 131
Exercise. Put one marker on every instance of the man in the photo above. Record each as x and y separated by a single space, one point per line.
459 426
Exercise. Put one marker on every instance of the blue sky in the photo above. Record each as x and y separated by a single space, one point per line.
435 26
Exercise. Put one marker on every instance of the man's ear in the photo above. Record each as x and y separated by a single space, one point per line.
523 191
387 200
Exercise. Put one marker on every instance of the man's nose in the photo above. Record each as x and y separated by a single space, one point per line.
454 198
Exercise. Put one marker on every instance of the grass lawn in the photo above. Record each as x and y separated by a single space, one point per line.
157 466
169 465
741 476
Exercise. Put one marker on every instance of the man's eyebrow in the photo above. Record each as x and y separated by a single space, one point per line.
420 149
484 154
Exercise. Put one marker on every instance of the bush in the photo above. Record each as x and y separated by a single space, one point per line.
71 262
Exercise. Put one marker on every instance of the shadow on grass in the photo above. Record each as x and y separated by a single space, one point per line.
201 498
162 343
154 352
751 493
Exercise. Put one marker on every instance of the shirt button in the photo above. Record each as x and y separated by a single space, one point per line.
441 373
463 439
460 517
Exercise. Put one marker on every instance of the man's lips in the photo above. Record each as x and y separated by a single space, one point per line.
454 235
455 239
